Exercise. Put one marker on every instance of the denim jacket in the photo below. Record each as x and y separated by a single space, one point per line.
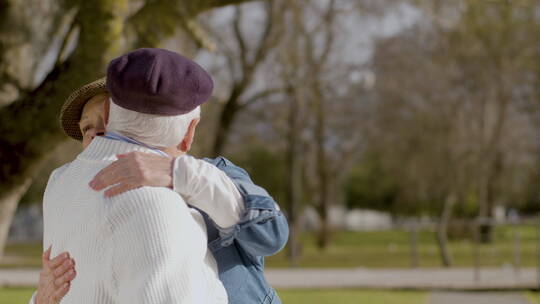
240 250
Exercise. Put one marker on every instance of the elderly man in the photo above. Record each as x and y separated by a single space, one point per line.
145 245
243 222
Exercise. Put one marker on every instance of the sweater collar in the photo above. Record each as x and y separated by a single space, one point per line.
106 149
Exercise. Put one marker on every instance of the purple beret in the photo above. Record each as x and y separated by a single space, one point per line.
157 81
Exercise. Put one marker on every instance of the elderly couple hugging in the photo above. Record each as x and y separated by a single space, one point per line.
169 228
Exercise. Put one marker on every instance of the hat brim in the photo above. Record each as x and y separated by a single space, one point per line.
71 111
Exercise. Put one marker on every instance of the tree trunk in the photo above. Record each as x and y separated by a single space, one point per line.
491 157
442 231
8 206
29 126
225 122
323 238
294 179
485 212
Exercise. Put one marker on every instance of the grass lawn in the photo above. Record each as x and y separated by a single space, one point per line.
345 296
533 297
22 255
352 296
367 249
392 249
15 295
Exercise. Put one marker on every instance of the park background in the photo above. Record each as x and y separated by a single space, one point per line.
400 137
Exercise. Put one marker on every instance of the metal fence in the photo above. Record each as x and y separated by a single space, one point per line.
512 243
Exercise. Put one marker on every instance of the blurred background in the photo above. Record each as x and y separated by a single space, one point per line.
400 137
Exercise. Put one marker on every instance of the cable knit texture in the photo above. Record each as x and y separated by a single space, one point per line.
143 246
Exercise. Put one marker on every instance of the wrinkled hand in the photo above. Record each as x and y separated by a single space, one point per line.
133 170
55 278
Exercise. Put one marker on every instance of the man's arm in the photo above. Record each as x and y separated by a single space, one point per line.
201 184
253 218
158 250
209 189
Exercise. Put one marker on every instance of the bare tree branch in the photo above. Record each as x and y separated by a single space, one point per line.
271 33
239 37
261 95
251 57
151 30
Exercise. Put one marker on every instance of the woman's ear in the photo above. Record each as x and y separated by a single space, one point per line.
106 108
185 145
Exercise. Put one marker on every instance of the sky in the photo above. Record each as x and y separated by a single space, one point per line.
360 29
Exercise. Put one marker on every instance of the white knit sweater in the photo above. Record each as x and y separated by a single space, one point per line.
143 246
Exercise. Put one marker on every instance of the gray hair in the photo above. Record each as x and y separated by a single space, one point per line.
153 130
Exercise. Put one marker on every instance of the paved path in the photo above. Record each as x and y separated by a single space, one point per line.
476 298
424 278
19 277
429 279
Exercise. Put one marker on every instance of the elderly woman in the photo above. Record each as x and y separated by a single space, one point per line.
238 237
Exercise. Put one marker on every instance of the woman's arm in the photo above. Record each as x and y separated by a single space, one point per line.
206 187
54 279
241 210
200 183
263 229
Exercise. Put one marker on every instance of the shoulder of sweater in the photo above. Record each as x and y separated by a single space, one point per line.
147 201
151 212
58 171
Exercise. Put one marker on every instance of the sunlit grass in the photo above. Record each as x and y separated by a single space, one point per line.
388 249
15 295
341 296
533 297
346 296
392 249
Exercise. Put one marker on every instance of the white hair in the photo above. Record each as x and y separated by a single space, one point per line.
153 130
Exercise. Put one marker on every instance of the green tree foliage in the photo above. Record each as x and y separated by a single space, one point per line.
81 37
266 168
369 186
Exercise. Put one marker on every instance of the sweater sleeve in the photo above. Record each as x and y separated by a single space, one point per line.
206 187
46 237
52 178
157 249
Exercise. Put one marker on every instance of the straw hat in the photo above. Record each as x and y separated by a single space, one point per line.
71 111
